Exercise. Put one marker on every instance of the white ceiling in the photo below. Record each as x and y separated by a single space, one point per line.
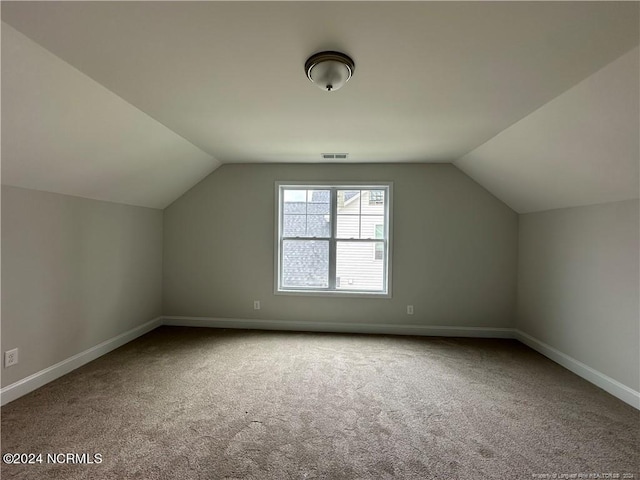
433 80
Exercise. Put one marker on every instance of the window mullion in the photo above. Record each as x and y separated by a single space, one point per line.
332 241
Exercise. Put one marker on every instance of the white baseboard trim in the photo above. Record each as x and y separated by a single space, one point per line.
339 327
608 384
38 379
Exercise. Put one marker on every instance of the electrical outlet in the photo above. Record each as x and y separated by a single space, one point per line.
409 309
256 304
10 357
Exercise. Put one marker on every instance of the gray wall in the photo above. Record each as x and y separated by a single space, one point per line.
454 248
578 285
75 272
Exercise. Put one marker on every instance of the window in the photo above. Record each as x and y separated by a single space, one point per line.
379 247
376 197
333 239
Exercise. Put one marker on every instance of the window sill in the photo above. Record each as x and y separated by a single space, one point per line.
333 293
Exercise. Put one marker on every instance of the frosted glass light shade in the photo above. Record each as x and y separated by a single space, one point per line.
329 70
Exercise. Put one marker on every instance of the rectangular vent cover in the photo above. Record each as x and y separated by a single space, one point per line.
337 156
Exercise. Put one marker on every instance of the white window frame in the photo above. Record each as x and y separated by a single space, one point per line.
331 289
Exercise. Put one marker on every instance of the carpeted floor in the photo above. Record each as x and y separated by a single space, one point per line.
187 403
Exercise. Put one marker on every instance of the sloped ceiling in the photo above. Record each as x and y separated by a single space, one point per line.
433 81
65 133
581 148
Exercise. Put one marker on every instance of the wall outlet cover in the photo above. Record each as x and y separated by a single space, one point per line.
10 357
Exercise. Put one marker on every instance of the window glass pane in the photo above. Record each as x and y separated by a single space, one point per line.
379 254
318 209
305 263
294 225
348 226
357 267
318 201
373 202
294 201
318 226
379 233
368 225
295 208
306 213
349 202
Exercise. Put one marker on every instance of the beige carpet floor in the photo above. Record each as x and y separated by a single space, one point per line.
187 403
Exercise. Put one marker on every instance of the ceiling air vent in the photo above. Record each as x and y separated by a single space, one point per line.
337 156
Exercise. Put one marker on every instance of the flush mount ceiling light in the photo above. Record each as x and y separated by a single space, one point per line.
329 70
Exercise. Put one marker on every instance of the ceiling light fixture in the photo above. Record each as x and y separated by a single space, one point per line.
329 70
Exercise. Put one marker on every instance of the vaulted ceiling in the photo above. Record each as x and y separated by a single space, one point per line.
135 102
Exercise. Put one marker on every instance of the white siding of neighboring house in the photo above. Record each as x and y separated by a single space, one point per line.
356 266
